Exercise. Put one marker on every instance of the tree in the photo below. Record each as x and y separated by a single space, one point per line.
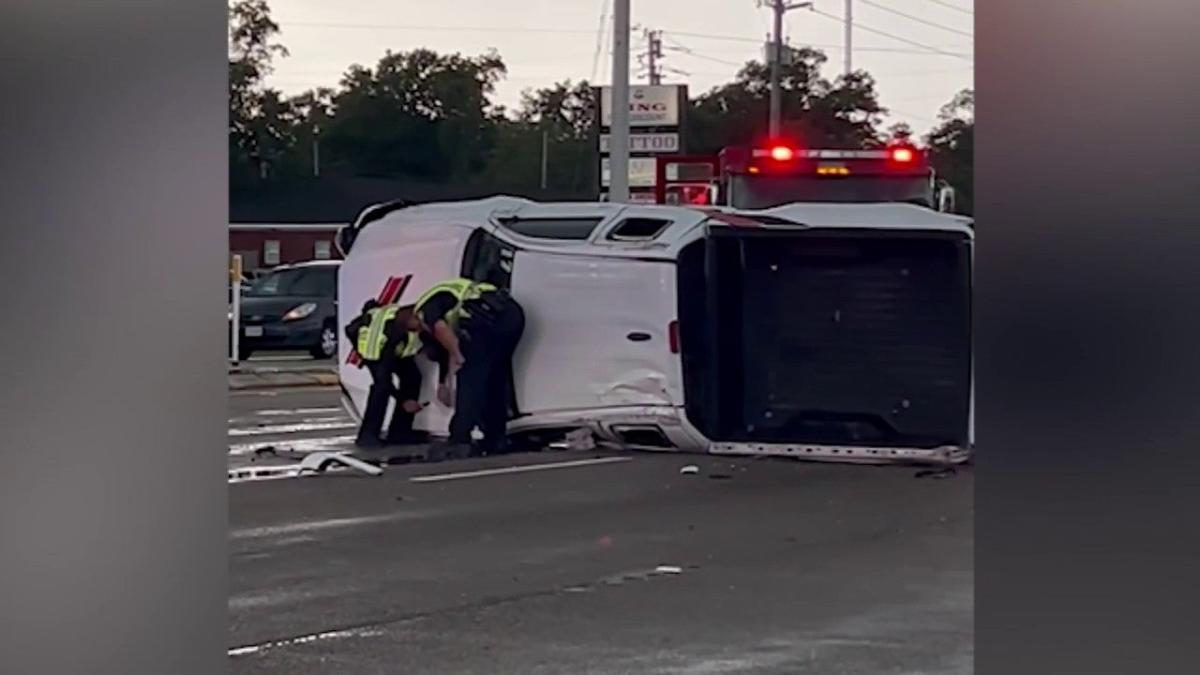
952 147
564 114
257 117
417 113
844 113
900 132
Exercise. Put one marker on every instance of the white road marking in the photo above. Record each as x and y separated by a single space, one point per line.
290 529
304 639
434 478
299 411
328 424
299 445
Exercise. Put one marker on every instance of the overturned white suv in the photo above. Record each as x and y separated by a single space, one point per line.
820 331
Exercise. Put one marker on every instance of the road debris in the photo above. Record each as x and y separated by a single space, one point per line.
581 439
668 569
690 470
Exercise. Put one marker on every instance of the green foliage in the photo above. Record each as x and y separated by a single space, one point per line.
952 147
260 122
430 117
844 113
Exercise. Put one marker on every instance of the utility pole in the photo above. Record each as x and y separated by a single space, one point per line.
316 151
849 39
779 8
618 189
653 55
545 153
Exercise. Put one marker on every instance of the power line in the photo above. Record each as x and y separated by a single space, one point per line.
438 28
677 46
917 19
713 59
953 7
925 49
932 50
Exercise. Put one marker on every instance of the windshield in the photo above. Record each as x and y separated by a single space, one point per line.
764 192
295 281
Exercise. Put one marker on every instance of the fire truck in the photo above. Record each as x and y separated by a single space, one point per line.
770 175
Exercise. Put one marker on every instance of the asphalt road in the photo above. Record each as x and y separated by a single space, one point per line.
610 565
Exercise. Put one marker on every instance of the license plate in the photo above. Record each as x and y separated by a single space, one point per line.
253 331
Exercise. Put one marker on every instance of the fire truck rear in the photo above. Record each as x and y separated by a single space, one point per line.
772 175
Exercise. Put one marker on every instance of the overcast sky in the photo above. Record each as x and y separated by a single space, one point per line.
543 41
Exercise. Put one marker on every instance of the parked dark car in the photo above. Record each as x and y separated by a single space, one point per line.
292 307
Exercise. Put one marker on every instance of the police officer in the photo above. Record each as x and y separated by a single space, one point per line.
388 351
478 325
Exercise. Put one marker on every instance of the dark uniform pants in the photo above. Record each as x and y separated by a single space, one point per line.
489 336
382 390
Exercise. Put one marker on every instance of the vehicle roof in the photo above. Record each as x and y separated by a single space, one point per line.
868 215
438 220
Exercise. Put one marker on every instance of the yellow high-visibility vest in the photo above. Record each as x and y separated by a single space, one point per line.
372 336
462 290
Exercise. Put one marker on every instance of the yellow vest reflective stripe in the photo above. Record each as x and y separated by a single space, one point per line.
462 290
411 346
372 337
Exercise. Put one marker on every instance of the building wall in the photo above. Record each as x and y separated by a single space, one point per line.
293 245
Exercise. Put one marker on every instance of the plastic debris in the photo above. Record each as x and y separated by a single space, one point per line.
581 439
668 569
690 470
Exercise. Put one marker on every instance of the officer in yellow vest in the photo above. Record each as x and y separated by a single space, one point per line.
478 325
388 351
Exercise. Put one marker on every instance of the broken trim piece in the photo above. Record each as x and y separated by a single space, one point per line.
314 463
946 455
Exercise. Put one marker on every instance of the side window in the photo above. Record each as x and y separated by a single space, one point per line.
488 259
638 229
316 282
328 282
571 229
271 252
308 282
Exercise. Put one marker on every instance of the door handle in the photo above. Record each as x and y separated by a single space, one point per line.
638 337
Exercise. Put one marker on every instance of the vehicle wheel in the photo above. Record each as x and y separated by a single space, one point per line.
328 346
244 353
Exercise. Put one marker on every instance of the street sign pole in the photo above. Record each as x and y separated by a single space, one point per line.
618 190
235 311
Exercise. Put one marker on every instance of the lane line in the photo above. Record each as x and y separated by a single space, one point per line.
329 424
435 478
306 527
294 445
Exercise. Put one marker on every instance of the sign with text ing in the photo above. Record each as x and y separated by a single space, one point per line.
649 105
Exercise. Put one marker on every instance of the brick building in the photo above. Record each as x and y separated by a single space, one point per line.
275 223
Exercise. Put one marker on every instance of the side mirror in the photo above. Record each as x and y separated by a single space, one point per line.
946 199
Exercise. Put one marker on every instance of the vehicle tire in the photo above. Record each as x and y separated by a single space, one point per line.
327 347
244 353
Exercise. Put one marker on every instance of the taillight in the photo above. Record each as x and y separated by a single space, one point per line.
902 155
673 336
781 153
